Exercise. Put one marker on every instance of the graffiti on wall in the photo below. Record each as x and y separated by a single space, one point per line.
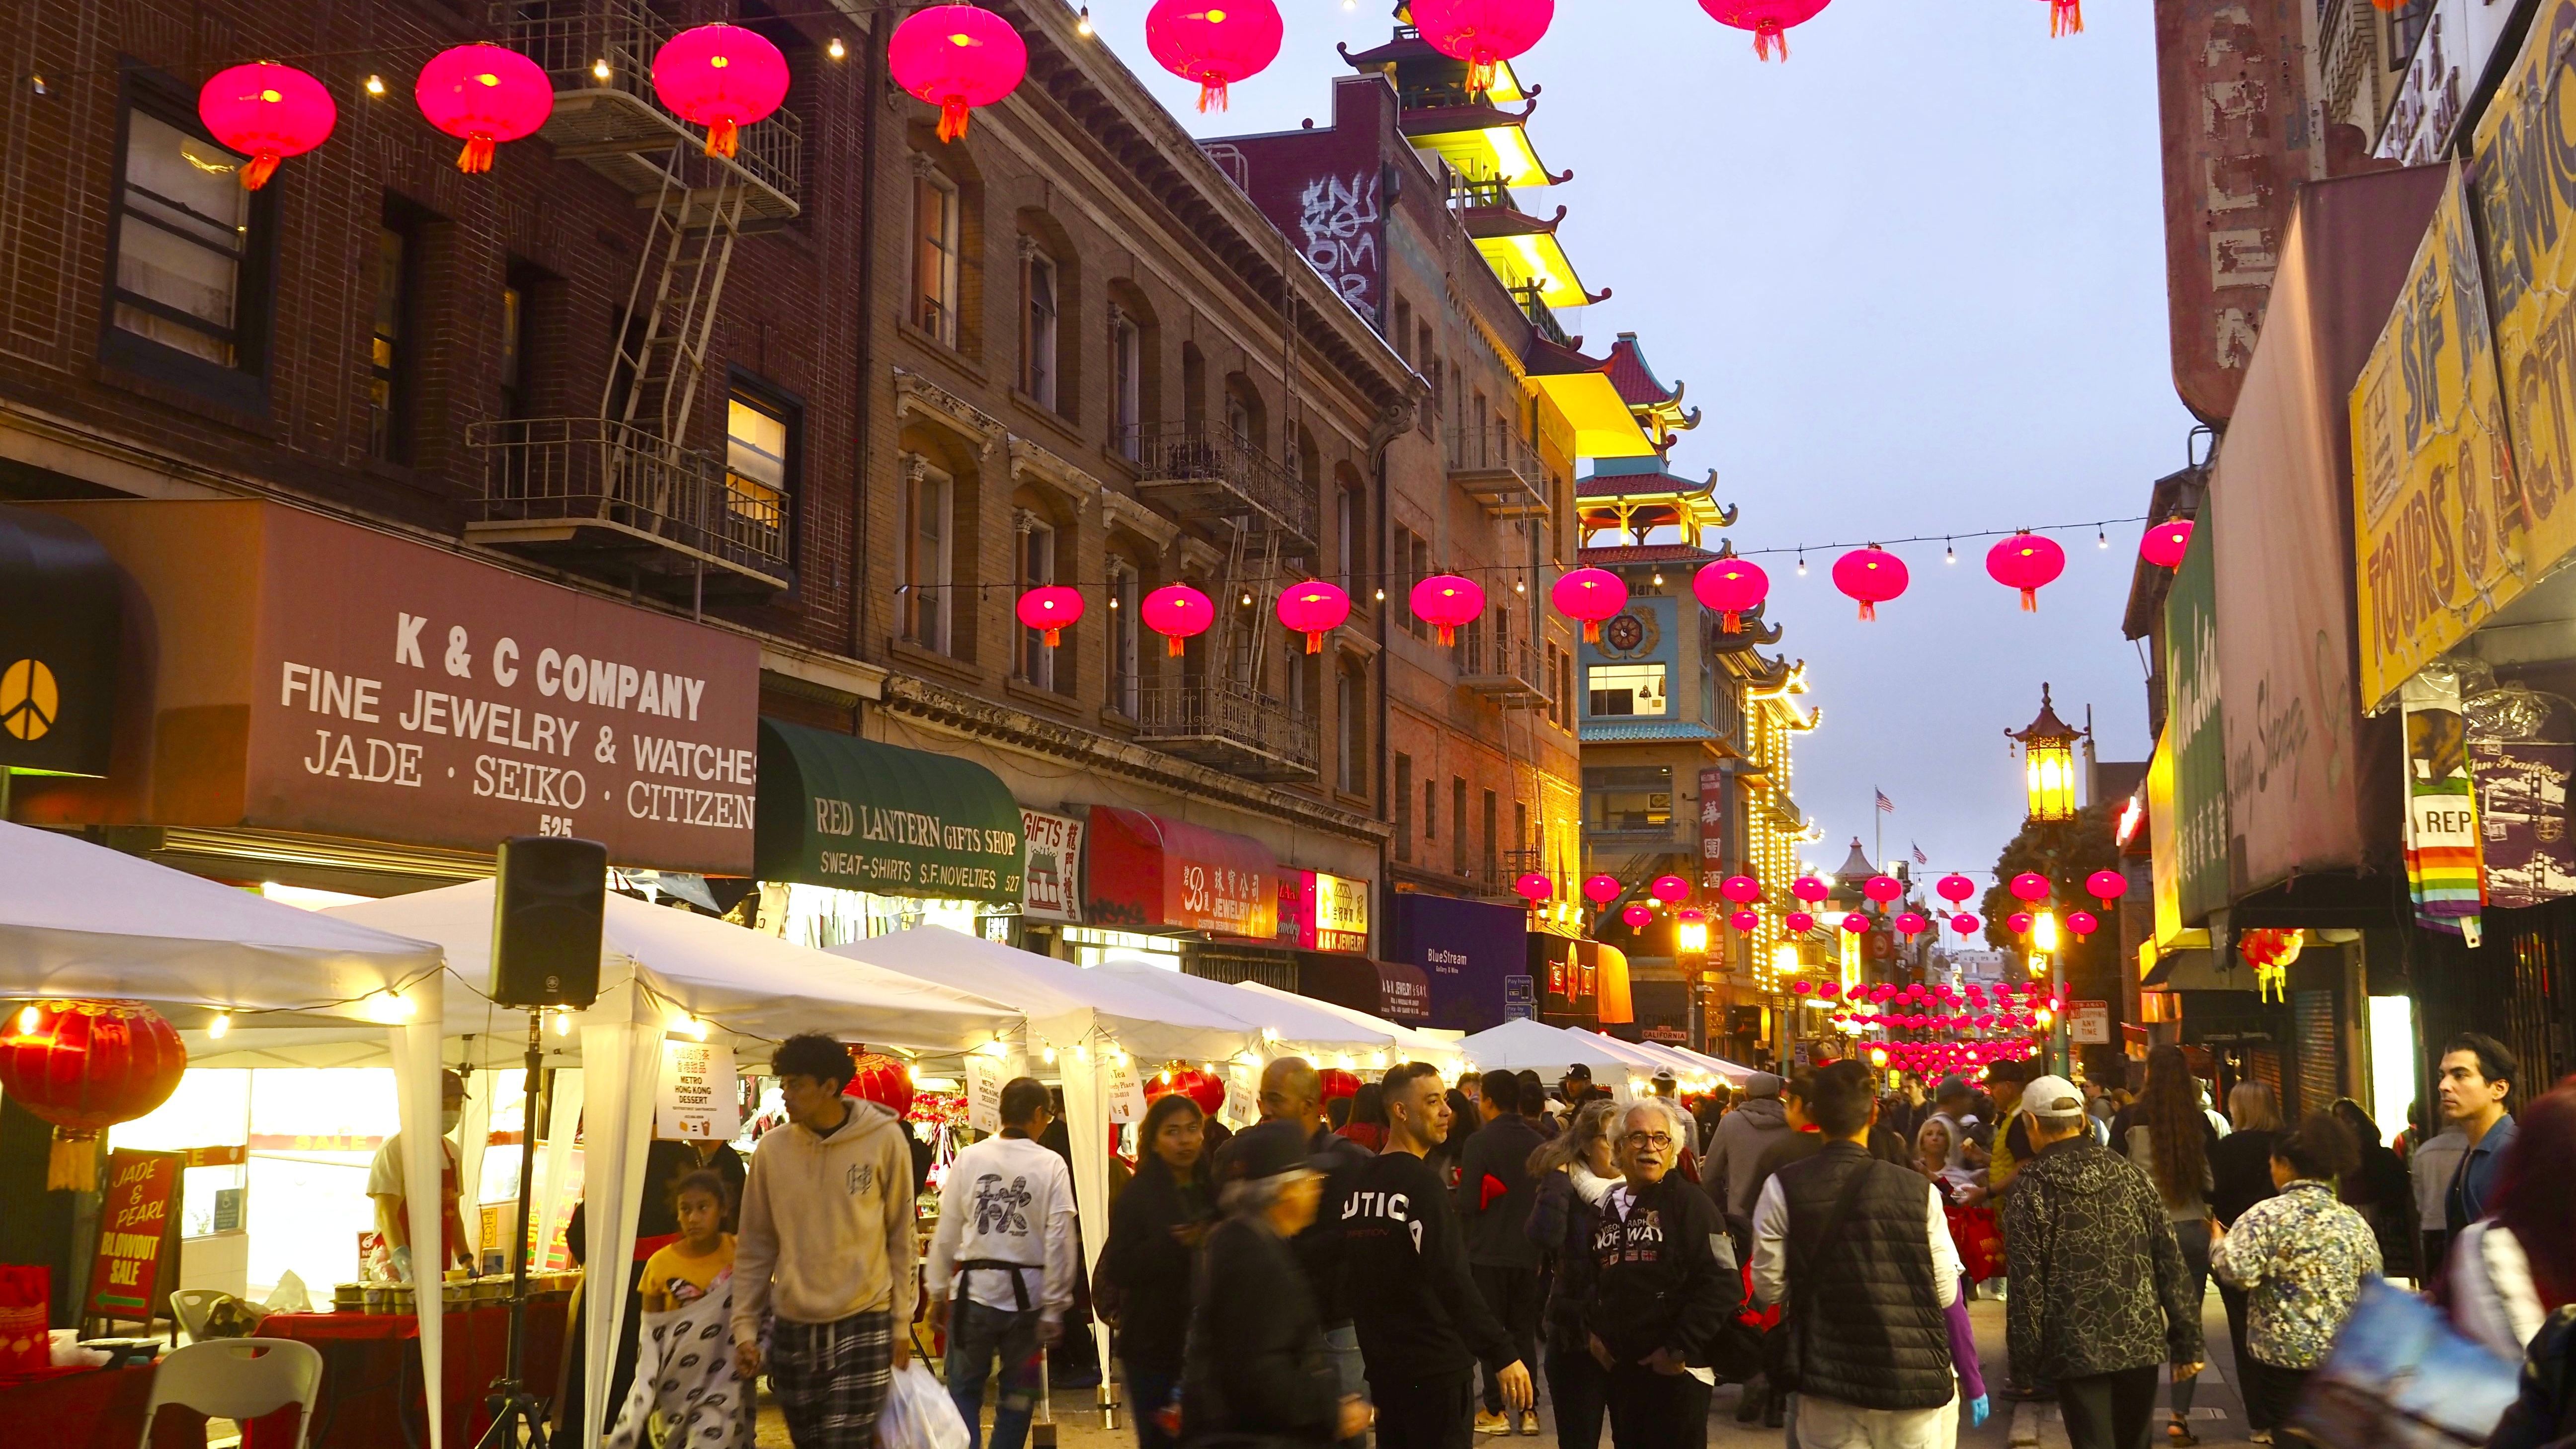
1338 219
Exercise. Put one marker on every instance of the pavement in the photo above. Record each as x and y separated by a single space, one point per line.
2218 1413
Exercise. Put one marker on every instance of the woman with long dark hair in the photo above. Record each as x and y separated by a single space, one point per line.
2240 1173
1367 1125
2167 1134
1142 1286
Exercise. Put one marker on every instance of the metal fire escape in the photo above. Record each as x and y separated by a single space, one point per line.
622 492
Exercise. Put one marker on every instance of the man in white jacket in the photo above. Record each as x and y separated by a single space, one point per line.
1005 1246
827 1245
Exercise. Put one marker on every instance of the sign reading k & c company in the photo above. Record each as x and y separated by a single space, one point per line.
321 677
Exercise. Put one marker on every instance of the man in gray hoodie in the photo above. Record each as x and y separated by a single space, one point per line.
1733 1172
827 1244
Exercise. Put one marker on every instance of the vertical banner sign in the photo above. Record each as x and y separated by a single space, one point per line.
2442 873
1126 1093
1051 885
696 1100
2200 749
2522 819
1242 1097
1713 810
983 1092
2441 529
138 1239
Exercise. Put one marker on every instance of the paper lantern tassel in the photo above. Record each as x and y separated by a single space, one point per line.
261 167
1868 611
476 158
952 119
723 139
1314 641
1052 635
1212 92
1174 640
1733 623
1767 36
1591 631
2030 601
2066 17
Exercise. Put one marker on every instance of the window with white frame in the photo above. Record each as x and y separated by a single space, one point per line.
1126 387
925 548
1123 638
1626 689
183 225
1036 571
934 255
1038 311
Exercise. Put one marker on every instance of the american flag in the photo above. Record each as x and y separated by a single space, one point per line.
1920 858
1885 805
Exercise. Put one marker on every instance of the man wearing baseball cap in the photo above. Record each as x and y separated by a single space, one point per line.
2082 1224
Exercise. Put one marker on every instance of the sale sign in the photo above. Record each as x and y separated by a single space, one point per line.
137 1246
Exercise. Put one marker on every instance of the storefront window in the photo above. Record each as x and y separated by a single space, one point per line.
1628 797
821 917
1094 947
1627 689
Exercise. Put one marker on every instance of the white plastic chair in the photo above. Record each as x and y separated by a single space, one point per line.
238 1379
191 1305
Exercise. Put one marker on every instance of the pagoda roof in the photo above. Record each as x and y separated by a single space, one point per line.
1483 222
1481 143
1537 260
1647 482
1637 731
1412 63
1621 554
1645 392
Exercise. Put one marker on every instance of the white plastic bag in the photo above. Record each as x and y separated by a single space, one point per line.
919 1414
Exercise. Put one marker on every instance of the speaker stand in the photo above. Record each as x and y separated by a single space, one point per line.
519 1417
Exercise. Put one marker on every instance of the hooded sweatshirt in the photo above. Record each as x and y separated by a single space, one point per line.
827 1225
1733 1172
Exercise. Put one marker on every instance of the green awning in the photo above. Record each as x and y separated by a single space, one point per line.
840 811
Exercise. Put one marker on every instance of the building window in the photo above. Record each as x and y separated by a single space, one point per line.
1555 698
1493 862
1126 387
1037 570
1520 828
514 348
2407 23
1430 810
1458 824
1238 419
182 235
1123 639
1401 334
1628 798
1350 702
923 557
758 459
1038 311
1412 566
1346 532
1404 808
1626 689
388 369
934 256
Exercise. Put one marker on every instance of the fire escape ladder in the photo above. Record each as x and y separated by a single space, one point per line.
662 356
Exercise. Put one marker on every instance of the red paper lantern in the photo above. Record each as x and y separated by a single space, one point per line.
1533 887
1314 609
1636 917
2066 17
1601 890
1809 889
2106 886
2018 923
2083 923
1590 596
1744 890
2026 561
1053 608
1447 601
1910 925
1799 922
1483 33
1871 576
956 57
267 112
88 1065
884 1080
1856 923
1954 888
1882 888
722 77
1769 20
2166 543
1731 588
1339 1083
1205 1088
483 94
1177 612
1214 42
1745 921
1800 987
1670 889
2030 886
1965 924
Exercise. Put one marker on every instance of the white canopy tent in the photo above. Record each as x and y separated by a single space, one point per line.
1287 1023
1549 1050
82 921
663 971
1413 1043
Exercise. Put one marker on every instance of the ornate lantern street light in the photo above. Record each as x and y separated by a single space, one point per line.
2048 761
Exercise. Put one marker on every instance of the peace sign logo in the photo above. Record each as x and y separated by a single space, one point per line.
29 700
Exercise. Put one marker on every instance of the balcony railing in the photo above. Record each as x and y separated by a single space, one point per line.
1206 470
1507 671
1542 316
1232 727
593 484
615 123
1498 468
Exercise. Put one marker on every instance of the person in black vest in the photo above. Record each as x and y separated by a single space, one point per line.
1860 1250
1494 1195
1662 1295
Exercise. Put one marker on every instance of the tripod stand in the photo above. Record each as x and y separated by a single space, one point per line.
518 1417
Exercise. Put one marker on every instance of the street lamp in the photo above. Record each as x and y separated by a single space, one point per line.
2048 762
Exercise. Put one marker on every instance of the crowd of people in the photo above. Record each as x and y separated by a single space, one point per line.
1412 1261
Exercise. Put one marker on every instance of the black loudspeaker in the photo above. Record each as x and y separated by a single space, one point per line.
547 901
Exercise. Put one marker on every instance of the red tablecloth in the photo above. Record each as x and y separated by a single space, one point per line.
371 1371
103 1409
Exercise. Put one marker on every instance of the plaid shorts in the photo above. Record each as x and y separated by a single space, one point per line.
830 1378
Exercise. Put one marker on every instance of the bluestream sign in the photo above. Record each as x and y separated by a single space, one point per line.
1471 951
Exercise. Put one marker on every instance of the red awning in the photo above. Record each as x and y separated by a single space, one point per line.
1145 872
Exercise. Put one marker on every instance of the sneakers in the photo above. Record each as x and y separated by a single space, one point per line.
1529 1424
1492 1423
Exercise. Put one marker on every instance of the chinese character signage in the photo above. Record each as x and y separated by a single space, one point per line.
697 1100
1051 886
1319 912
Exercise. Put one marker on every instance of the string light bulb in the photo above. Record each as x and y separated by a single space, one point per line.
1659 578
2101 538
1047 1056
1520 586
36 79
1949 552
1381 596
599 70
836 50
1802 563
216 1028
1247 599
1082 23
563 1023
375 85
